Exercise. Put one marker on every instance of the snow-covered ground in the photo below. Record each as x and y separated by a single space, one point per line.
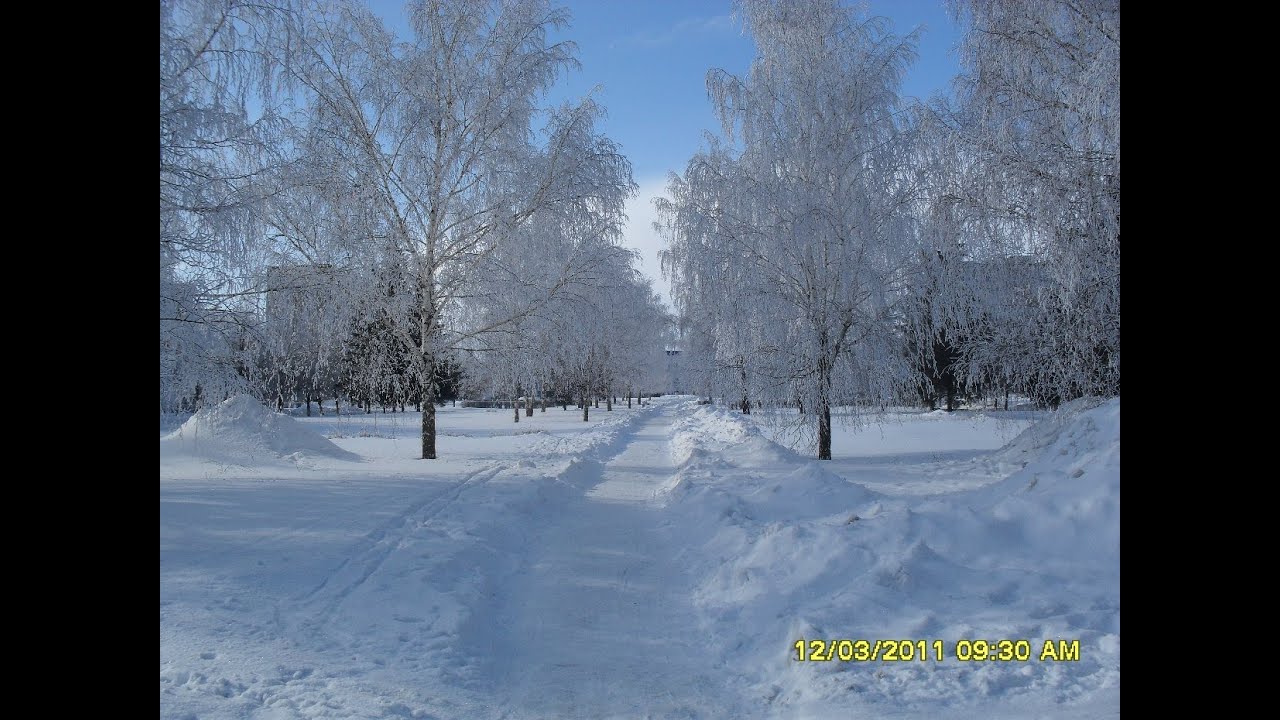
656 562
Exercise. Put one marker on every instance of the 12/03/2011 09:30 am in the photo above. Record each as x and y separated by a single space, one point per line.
864 650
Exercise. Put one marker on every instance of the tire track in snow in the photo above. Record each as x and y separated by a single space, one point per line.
374 550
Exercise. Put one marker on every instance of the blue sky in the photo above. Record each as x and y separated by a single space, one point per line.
650 60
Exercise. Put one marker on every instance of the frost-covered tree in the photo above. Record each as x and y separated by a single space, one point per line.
791 241
1033 188
215 157
434 141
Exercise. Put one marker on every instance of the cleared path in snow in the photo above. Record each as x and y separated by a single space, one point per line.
600 623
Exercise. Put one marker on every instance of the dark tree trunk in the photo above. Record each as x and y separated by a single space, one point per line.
586 408
951 397
824 431
608 403
628 399
516 405
528 406
597 402
337 406
1006 399
308 406
429 419
824 404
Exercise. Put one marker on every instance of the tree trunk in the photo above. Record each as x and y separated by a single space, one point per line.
337 406
516 404
544 402
597 402
1006 399
824 404
308 406
951 397
528 406
429 420
824 430
608 403
586 408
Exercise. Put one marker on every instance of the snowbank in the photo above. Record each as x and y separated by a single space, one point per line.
243 431
804 553
1065 501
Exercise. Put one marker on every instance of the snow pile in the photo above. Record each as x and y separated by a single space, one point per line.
704 428
807 554
712 445
1065 501
705 431
243 431
1040 438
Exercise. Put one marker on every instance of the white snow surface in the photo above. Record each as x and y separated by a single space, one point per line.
242 431
656 562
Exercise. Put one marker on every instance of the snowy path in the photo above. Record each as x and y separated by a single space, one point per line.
601 622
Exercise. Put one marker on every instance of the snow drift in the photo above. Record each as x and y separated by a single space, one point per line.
242 431
799 552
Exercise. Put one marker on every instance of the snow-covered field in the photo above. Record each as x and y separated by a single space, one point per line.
657 562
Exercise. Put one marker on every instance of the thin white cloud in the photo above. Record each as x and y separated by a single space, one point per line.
689 28
640 235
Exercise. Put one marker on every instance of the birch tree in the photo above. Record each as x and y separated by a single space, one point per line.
801 215
214 156
1035 190
435 137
